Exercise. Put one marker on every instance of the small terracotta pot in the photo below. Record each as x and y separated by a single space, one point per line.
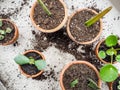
51 30
32 76
16 34
97 51
70 35
78 62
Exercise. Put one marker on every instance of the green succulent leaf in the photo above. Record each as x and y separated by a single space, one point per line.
2 32
93 84
118 57
1 23
111 52
40 64
108 73
2 37
73 83
21 59
102 54
111 40
44 7
8 30
97 17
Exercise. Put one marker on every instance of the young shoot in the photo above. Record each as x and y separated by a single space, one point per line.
94 19
4 32
92 84
74 83
22 59
44 7
108 72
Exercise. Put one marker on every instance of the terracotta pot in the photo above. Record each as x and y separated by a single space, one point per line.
70 35
97 50
32 76
16 34
78 62
50 30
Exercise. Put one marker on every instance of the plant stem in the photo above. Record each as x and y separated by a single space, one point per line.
97 17
44 7
111 59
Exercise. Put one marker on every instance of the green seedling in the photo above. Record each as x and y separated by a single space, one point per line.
97 17
92 84
22 59
4 32
108 72
44 7
74 83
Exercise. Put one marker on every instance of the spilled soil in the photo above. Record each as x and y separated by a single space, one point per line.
61 41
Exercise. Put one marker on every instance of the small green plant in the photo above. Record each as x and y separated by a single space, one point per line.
108 72
92 84
94 19
118 87
21 60
44 7
4 32
74 83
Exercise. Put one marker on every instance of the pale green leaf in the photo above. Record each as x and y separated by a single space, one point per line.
40 64
21 59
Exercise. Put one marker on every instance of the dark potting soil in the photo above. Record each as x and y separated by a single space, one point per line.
61 41
49 22
8 36
81 72
79 30
105 48
116 83
31 69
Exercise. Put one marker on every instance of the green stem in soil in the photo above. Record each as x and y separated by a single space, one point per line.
44 7
111 59
97 17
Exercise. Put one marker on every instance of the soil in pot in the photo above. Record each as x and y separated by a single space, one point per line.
49 22
81 72
116 83
29 68
104 48
8 36
79 30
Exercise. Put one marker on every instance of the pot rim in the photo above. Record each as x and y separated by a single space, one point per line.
87 42
54 29
39 73
78 62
